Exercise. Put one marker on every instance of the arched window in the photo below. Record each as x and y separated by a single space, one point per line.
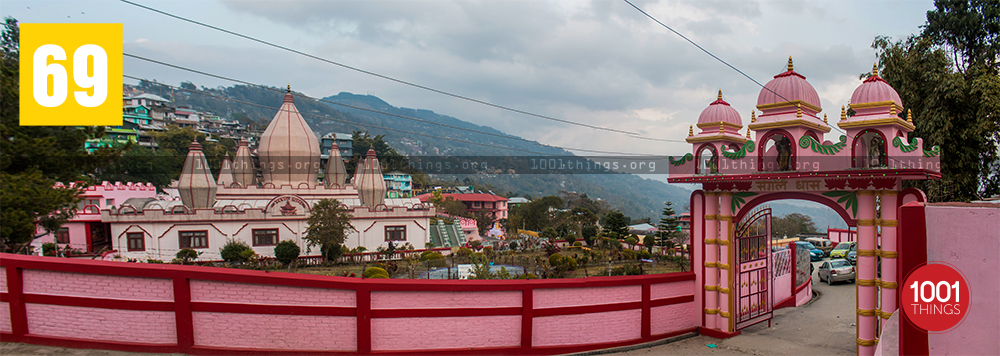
776 152
869 149
708 160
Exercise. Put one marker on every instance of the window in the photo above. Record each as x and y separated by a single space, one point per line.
193 239
62 236
109 203
136 242
265 237
395 233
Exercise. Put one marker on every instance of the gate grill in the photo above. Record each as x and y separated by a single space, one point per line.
753 278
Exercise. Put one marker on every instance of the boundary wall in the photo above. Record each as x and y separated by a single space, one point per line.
207 310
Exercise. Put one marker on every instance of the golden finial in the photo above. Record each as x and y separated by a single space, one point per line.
748 133
909 116
289 88
875 69
824 119
892 110
720 94
789 63
753 116
691 130
722 128
798 110
843 113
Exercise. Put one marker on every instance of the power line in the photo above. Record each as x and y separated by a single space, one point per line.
400 81
388 128
347 105
731 66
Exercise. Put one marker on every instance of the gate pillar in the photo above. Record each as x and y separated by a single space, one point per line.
866 273
711 261
888 251
726 264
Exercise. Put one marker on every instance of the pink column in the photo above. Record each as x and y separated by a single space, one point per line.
889 279
726 264
711 260
866 273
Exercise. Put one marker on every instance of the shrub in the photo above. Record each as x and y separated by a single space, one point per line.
464 252
286 251
49 249
550 248
488 251
429 245
569 263
570 240
512 245
153 260
626 270
629 254
632 240
476 244
503 273
234 251
430 255
645 255
555 260
376 272
527 276
389 266
186 255
578 244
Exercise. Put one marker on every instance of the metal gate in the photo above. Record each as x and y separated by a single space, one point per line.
753 278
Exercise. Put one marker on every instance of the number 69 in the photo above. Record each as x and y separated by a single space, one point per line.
43 69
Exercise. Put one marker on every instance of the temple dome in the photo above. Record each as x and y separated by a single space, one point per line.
289 151
786 87
875 90
719 111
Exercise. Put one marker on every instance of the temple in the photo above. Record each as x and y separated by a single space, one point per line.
212 210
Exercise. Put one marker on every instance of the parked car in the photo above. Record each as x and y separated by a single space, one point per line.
815 254
852 256
836 271
822 244
842 249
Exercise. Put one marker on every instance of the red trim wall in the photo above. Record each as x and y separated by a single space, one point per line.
183 307
911 241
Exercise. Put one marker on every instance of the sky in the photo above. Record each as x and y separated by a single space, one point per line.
597 62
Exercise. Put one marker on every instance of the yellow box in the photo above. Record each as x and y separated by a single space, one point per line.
65 97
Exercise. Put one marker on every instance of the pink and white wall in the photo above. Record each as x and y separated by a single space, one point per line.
203 310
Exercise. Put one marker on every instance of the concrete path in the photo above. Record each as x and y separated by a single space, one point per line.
824 327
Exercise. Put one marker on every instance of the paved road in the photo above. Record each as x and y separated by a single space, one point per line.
824 327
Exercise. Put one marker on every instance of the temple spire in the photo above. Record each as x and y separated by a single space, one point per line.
790 67
843 113
875 69
196 185
720 94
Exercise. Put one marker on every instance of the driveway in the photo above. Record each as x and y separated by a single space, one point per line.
824 327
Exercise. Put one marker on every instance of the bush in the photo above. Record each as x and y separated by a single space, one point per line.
375 272
569 263
286 251
578 244
645 255
464 252
488 251
555 260
527 276
550 248
632 240
234 251
512 245
154 261
570 240
49 249
430 255
626 270
186 255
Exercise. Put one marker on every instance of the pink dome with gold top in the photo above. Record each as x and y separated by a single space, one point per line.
719 111
788 86
875 90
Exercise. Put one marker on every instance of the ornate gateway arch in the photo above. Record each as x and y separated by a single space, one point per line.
857 172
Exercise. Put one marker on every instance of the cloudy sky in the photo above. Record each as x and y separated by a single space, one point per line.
598 62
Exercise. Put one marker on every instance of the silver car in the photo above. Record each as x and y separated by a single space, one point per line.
836 271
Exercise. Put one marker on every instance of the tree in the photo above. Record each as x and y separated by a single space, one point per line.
588 233
791 225
484 221
954 97
615 221
329 224
34 158
143 165
286 251
669 227
649 241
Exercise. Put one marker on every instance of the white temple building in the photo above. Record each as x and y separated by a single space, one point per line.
234 206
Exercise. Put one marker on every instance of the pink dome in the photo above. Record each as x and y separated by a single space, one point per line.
874 90
719 111
791 86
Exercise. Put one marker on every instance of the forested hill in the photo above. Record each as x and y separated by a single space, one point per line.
635 196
